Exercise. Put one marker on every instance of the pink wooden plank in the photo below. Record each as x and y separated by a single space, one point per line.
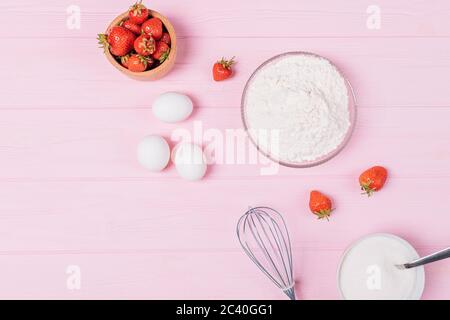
383 72
87 144
256 18
138 276
203 275
72 192
176 216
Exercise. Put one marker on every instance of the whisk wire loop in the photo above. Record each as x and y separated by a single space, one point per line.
264 249
249 251
282 247
264 237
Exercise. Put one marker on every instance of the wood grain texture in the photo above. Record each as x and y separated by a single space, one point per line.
320 18
376 68
72 193
83 143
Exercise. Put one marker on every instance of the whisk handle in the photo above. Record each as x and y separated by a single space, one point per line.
290 293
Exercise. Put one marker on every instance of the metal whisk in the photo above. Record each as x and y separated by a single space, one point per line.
264 237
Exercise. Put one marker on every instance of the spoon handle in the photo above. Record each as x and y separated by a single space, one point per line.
443 254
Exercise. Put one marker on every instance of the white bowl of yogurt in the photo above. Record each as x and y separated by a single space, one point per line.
367 270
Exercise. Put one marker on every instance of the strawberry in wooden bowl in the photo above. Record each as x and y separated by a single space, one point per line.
141 43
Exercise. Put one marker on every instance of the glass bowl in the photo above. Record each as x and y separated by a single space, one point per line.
321 159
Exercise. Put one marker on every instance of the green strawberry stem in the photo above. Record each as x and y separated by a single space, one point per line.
124 59
137 7
366 187
164 56
103 41
227 63
324 214
144 60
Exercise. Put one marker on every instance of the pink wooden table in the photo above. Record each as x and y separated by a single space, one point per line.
75 205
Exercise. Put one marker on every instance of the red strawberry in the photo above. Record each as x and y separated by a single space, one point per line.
153 27
166 38
138 13
162 51
144 45
222 69
133 27
138 63
320 205
124 60
373 179
120 41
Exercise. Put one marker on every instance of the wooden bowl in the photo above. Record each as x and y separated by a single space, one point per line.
157 72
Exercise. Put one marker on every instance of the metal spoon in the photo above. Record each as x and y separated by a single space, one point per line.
443 254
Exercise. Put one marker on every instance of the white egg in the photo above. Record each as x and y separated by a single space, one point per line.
189 161
172 107
153 153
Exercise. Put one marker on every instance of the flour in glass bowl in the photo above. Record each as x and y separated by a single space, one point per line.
305 99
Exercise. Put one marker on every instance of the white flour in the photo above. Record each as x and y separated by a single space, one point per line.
306 99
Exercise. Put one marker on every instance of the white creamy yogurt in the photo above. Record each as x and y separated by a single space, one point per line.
368 271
